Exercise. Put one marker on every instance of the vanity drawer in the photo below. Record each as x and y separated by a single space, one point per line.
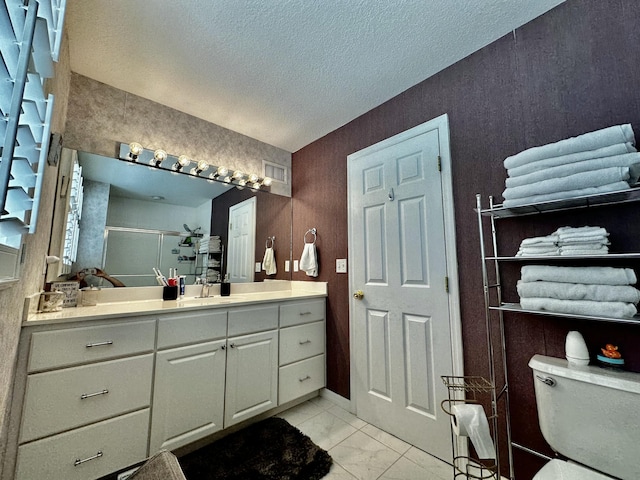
72 397
121 441
301 341
196 327
296 313
71 346
301 378
254 319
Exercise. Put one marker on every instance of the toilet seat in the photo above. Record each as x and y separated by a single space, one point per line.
559 469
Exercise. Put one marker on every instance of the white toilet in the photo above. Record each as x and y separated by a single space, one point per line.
590 415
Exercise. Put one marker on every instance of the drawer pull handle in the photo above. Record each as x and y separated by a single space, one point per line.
232 345
89 395
304 378
80 462
304 342
305 313
100 344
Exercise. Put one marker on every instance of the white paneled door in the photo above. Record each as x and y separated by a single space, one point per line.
241 241
400 312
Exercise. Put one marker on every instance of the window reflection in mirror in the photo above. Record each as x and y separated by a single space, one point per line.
135 218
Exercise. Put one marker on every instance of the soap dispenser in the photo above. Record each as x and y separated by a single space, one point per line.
576 349
225 287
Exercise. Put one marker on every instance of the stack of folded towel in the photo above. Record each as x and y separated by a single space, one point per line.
583 241
595 162
596 291
567 241
539 246
210 245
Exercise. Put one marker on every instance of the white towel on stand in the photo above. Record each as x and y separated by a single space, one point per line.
587 141
309 260
269 261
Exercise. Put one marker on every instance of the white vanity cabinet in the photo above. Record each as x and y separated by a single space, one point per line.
189 383
96 395
302 349
252 363
81 417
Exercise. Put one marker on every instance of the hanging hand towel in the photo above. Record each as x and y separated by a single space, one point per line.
269 261
309 260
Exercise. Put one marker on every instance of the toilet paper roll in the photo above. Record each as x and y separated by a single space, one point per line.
469 420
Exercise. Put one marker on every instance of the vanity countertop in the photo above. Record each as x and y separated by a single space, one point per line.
133 307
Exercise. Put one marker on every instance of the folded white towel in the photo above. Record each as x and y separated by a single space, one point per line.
578 291
539 249
309 260
581 307
584 240
586 275
547 240
631 160
568 233
592 178
602 251
269 261
587 141
533 199
550 253
610 151
585 246
586 229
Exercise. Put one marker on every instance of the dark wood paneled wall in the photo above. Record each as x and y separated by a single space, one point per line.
273 218
570 71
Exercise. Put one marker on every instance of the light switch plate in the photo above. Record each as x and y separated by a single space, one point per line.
287 265
295 266
258 267
341 265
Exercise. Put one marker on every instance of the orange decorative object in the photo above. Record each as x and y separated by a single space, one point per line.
611 351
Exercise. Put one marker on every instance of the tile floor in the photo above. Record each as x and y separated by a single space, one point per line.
359 450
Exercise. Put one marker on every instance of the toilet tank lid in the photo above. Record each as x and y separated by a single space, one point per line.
606 377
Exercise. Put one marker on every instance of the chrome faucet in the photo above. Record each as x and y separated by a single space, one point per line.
204 293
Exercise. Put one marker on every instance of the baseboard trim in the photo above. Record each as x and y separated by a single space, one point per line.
339 400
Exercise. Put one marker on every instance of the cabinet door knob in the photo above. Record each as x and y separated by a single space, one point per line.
223 347
232 345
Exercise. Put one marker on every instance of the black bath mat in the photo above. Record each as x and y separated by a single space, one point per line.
268 450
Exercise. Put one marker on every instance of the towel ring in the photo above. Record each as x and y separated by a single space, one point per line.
272 240
312 231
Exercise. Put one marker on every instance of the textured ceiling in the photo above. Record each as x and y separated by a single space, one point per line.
285 72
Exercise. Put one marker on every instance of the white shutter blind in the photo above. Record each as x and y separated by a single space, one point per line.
30 34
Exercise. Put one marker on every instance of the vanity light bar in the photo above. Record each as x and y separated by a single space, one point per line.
135 153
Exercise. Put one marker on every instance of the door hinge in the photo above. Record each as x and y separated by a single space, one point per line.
439 163
446 284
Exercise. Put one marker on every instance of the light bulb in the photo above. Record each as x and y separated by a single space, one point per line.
238 174
183 161
135 149
242 182
159 156
253 178
222 171
201 167
266 182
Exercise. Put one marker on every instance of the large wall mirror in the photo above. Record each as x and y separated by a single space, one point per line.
128 218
